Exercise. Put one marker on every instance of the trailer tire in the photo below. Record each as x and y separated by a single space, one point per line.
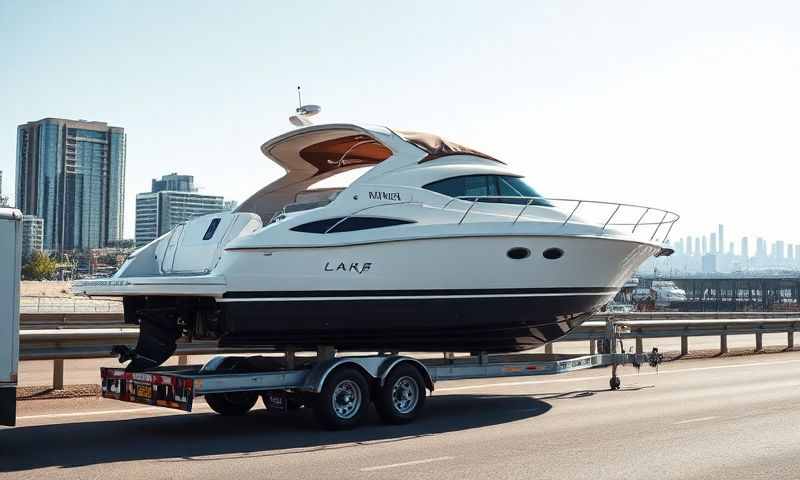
402 396
232 404
343 401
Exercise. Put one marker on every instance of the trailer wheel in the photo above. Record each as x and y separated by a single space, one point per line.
343 401
402 396
231 404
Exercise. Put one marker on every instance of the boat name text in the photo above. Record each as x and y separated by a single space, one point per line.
357 267
394 196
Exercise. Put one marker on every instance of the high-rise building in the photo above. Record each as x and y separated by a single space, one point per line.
713 242
721 237
3 198
158 212
790 252
745 249
705 245
797 253
697 250
174 183
689 245
32 235
71 173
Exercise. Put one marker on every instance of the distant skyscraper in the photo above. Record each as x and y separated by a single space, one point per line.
790 252
689 245
713 242
32 235
159 211
761 248
797 253
730 248
721 236
705 245
697 250
778 250
745 248
71 173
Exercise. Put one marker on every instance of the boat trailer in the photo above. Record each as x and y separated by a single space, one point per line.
340 388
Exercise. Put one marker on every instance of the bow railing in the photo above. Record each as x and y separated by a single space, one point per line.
656 223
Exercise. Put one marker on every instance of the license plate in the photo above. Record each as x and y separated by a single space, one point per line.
276 402
144 391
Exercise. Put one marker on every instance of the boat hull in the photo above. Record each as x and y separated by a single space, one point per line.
492 321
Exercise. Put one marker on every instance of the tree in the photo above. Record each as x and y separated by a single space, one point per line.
39 267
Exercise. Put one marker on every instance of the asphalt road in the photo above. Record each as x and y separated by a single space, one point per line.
733 417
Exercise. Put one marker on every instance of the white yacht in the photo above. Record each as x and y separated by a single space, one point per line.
436 247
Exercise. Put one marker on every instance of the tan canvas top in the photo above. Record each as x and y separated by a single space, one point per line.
438 147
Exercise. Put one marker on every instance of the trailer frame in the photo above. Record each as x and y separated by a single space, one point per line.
302 380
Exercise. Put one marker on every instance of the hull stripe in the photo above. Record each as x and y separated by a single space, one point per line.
407 295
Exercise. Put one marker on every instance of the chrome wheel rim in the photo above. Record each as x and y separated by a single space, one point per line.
405 395
346 399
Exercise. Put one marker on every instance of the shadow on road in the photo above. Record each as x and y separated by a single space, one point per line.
258 434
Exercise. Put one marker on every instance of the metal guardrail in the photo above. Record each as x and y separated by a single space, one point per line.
80 335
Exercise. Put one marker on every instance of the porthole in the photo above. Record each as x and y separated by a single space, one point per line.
553 253
518 253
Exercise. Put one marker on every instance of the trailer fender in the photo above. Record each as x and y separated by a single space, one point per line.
392 362
320 372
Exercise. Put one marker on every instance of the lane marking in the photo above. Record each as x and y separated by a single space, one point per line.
605 377
405 464
693 420
110 412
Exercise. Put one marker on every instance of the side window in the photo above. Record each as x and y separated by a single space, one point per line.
508 190
211 229
351 224
320 226
503 186
466 186
364 223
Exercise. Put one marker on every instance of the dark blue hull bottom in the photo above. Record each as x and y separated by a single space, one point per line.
492 324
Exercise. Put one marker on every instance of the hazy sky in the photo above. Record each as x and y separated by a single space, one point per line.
691 106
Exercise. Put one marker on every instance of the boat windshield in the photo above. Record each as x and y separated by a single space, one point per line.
500 189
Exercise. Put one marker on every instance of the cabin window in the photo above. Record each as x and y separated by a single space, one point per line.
350 224
211 229
505 186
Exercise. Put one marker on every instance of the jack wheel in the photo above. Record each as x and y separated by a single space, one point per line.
614 383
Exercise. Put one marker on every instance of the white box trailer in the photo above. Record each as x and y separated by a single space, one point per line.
10 260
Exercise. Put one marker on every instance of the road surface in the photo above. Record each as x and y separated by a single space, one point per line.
715 418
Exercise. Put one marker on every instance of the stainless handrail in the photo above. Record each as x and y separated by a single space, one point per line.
668 218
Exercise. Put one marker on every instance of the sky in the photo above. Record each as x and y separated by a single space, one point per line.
683 105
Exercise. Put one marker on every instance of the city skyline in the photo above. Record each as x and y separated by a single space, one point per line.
655 104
